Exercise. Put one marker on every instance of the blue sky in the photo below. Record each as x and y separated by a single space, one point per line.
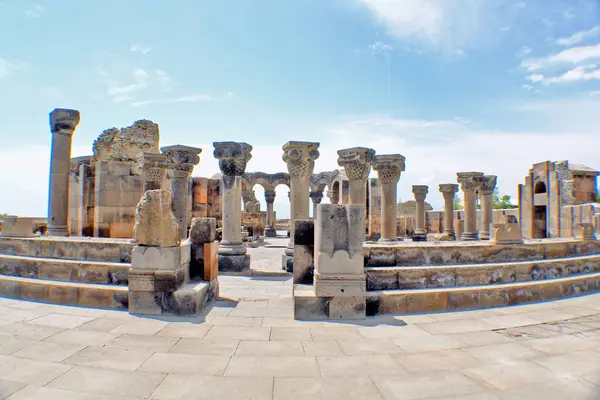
453 85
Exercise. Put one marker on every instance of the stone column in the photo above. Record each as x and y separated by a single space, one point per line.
448 191
270 229
469 183
62 125
233 157
488 183
180 164
357 163
334 195
389 167
316 196
300 159
153 167
420 191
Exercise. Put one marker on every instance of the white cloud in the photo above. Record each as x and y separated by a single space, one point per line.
573 55
34 11
9 67
380 47
579 37
523 51
580 73
116 90
193 98
527 87
138 48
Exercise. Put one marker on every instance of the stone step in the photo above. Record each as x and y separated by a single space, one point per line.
68 293
479 297
98 272
69 248
444 276
452 253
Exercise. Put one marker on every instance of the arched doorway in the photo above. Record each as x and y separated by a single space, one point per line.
540 201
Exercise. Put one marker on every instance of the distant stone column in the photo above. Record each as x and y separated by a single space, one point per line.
180 163
420 191
233 157
62 125
448 191
300 159
270 230
316 196
389 167
488 184
153 168
469 183
334 195
357 163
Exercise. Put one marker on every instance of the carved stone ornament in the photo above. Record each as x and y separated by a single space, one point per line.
488 183
389 167
300 158
64 121
233 157
356 162
469 180
182 158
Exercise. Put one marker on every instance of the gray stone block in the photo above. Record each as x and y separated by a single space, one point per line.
234 263
203 230
304 232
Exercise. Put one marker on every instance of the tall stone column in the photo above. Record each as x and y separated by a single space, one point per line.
300 159
448 191
357 163
316 196
389 167
180 164
270 230
420 191
233 157
469 183
153 167
488 184
62 125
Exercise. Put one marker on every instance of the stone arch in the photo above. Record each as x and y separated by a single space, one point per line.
540 187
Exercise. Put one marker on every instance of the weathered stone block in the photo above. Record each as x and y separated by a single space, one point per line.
14 226
167 258
36 291
420 302
347 308
392 303
409 278
441 277
234 263
62 294
303 264
55 271
382 279
203 230
122 230
96 297
304 232
91 273
155 224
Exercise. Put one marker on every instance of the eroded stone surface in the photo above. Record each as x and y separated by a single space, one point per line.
127 144
155 224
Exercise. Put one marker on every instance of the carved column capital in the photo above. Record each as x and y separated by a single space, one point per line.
389 167
153 167
64 121
316 196
469 181
356 162
488 184
270 196
448 190
420 191
181 159
233 157
300 158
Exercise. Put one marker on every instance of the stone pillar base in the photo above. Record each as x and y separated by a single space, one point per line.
191 298
287 263
470 236
57 231
419 237
388 241
307 306
451 234
484 236
270 231
232 249
234 263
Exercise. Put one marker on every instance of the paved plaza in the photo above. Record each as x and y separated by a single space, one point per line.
248 346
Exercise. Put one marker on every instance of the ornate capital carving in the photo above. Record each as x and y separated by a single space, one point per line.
153 167
488 184
420 191
63 121
232 156
316 196
270 196
448 189
469 181
182 158
300 158
389 167
356 162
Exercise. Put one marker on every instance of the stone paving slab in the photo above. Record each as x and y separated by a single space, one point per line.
246 346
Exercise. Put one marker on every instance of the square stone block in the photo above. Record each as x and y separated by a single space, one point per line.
392 303
90 273
164 258
203 230
211 261
234 263
347 308
303 263
409 278
304 232
122 230
17 227
62 294
343 286
155 280
34 291
426 302
441 277
466 300
146 303
97 298
382 279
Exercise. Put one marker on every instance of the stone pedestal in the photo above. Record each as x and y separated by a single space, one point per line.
488 184
180 165
339 260
153 169
270 230
470 183
62 125
389 167
449 190
506 232
316 196
300 159
420 192
233 158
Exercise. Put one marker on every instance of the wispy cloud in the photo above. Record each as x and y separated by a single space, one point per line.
117 90
380 48
523 51
573 55
34 11
579 37
579 73
192 98
138 48
8 67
